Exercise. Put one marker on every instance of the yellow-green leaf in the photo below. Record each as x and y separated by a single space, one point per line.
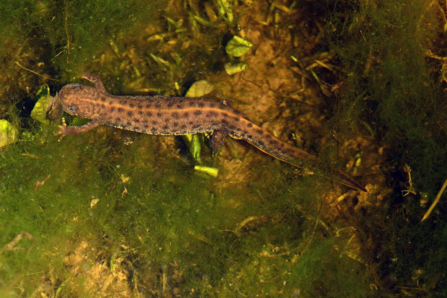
8 133
78 121
233 68
39 111
207 170
195 145
196 148
224 8
199 89
238 46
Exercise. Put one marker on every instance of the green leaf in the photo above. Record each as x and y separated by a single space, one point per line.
39 111
233 68
196 148
195 145
8 133
238 46
199 89
207 170
224 8
79 121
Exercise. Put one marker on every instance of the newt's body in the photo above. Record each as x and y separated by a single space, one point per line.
161 115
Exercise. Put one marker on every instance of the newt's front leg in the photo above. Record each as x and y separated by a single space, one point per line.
95 80
70 130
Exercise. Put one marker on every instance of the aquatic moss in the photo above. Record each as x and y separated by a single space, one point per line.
126 204
394 91
391 86
73 31
152 211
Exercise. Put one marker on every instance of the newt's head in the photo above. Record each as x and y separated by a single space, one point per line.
60 103
68 100
54 108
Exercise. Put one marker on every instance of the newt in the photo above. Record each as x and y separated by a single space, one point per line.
163 115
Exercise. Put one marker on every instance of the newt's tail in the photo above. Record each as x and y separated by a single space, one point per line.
299 158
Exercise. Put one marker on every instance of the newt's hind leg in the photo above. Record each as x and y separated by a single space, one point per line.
95 80
217 139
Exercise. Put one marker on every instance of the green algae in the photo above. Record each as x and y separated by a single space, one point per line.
394 89
139 211
393 85
72 32
129 203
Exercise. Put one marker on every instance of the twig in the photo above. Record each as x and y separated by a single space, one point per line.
10 246
435 202
32 71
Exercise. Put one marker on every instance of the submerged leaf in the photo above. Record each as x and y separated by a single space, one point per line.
224 8
199 89
195 146
207 170
8 133
238 46
233 68
39 111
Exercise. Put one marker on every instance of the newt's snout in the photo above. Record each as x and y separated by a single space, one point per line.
54 108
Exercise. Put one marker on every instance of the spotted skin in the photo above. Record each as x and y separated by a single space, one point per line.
161 115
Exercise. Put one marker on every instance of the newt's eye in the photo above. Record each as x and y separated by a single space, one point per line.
74 86
71 109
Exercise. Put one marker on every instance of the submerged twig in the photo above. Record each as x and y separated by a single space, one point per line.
435 202
10 246
36 73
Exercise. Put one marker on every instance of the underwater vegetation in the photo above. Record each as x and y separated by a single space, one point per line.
109 212
397 92
69 33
